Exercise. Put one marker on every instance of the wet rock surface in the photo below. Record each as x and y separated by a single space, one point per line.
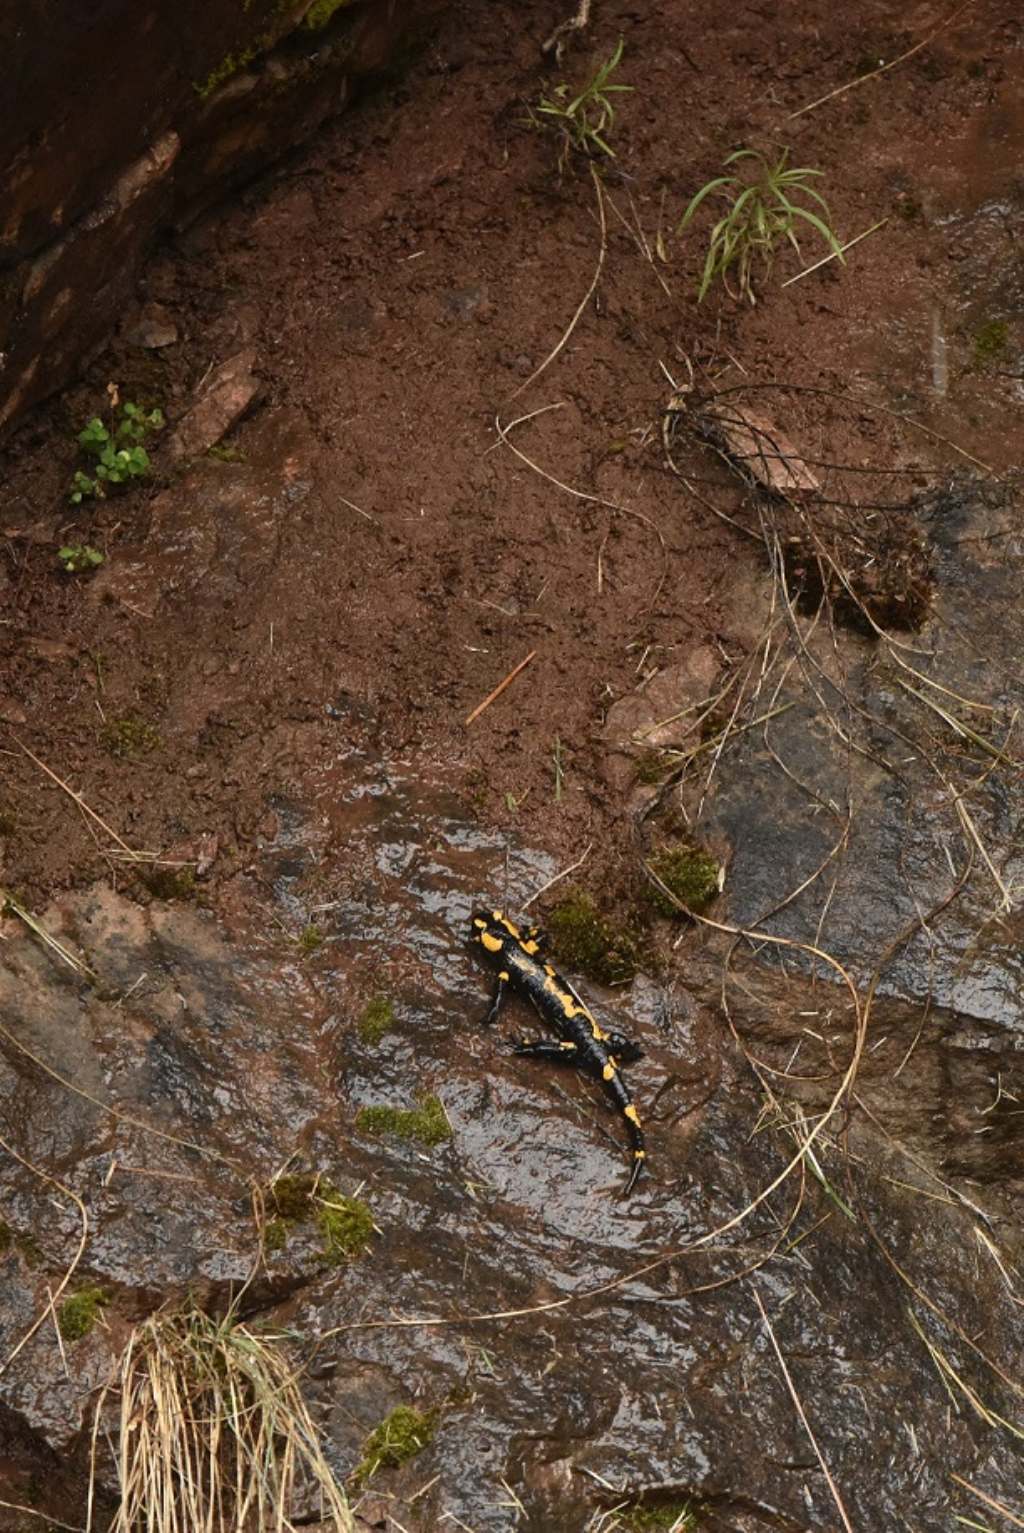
626 1347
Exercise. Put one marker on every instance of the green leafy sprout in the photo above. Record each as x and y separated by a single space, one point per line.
761 213
79 558
117 450
584 122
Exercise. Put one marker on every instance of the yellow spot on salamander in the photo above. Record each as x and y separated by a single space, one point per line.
599 1033
504 975
479 923
492 943
567 1045
608 1073
549 971
530 947
631 1113
510 926
639 1154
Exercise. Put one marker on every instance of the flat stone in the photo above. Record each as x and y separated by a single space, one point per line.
153 329
225 397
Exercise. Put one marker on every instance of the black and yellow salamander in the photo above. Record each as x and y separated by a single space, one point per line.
522 967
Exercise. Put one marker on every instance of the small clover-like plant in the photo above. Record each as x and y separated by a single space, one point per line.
584 121
117 449
761 213
79 558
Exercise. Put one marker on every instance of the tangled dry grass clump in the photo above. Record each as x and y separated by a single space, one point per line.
212 1433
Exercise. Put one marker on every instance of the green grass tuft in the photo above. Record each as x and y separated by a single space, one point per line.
763 209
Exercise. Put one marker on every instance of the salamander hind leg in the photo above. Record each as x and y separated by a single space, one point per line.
554 1053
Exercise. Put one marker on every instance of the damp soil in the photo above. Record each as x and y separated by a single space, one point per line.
265 687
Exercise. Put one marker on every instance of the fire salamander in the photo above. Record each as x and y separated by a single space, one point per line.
523 968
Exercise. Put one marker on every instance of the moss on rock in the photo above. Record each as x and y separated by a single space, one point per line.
377 1019
78 1315
690 873
321 12
585 940
400 1436
346 1225
427 1124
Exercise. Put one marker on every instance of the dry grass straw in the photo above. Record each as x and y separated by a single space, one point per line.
503 428
66 956
214 1435
587 296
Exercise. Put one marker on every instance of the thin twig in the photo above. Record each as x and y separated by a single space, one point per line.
836 1497
840 252
44 1176
558 877
883 68
586 297
79 800
499 689
997 1506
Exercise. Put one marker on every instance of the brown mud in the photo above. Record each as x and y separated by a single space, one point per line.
265 687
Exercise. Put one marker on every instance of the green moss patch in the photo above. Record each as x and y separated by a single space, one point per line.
321 12
170 883
129 737
77 1315
667 1517
400 1436
275 1235
228 66
427 1124
292 1197
589 943
345 1224
691 874
991 341
652 767
377 1019
310 938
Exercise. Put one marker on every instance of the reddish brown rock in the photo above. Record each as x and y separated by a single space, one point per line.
224 399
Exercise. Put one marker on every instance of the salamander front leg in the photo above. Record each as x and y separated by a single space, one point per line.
500 995
554 1053
623 1049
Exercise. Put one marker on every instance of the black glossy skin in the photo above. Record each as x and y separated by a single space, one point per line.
518 956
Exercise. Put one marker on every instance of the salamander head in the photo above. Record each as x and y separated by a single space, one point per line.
490 931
